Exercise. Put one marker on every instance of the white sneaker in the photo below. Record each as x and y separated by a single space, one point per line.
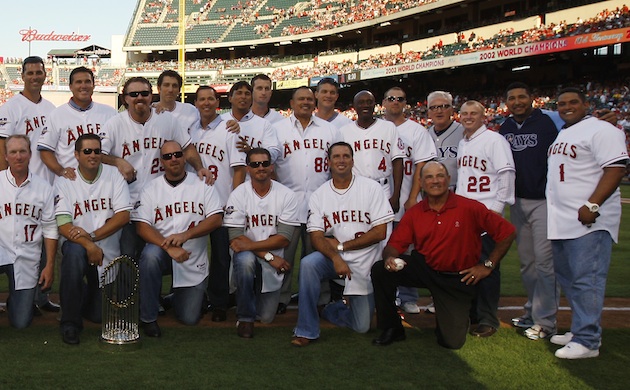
537 332
576 351
411 307
430 308
562 339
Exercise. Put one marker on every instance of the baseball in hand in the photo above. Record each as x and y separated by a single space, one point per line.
400 264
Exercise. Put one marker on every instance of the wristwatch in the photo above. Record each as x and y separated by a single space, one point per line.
269 257
488 264
93 236
340 247
592 207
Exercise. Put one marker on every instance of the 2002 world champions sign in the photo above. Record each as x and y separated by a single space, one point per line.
31 34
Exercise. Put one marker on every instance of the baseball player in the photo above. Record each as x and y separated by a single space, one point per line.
378 150
261 94
68 122
418 148
304 140
261 216
28 113
586 164
169 85
326 95
91 211
132 141
347 222
217 148
485 173
256 132
175 214
445 132
27 220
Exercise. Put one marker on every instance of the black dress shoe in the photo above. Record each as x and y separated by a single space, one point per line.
151 329
36 311
218 315
483 331
70 336
50 307
389 336
282 308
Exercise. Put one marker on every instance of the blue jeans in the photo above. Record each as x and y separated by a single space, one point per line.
581 266
155 262
357 316
251 304
130 242
219 278
78 298
20 302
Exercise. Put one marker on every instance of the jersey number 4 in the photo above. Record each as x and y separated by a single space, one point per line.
481 184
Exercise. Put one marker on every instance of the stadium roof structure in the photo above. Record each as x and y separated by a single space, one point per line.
86 51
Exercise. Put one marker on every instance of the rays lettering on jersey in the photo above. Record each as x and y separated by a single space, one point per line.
25 209
315 143
34 123
90 128
147 143
90 205
447 152
520 142
184 207
210 150
373 143
257 220
473 162
563 148
344 216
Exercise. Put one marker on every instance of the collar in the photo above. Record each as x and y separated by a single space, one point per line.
245 118
11 178
212 125
585 117
98 175
298 125
451 203
72 104
476 134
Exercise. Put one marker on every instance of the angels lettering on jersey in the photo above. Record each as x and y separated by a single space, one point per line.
89 205
73 134
173 209
344 216
563 148
214 151
33 124
472 162
308 143
137 145
376 143
257 220
22 209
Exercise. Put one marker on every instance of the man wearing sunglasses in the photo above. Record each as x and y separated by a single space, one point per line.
419 148
28 113
261 216
91 211
175 214
445 131
303 167
132 141
68 122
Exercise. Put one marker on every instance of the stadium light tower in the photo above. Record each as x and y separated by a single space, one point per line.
182 47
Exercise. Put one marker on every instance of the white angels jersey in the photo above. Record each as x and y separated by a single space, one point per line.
576 163
140 144
172 210
186 114
218 152
260 216
66 124
480 159
21 116
375 148
346 214
90 205
418 147
24 212
257 132
303 162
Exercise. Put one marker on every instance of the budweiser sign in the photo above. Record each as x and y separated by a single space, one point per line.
31 34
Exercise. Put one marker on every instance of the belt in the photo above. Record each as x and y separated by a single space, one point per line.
382 180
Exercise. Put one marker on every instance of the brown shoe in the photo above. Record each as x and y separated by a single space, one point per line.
302 341
483 331
245 329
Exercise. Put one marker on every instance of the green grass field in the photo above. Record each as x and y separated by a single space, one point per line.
207 356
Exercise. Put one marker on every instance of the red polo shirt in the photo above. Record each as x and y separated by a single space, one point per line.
449 239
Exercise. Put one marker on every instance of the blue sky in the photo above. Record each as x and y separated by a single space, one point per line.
98 18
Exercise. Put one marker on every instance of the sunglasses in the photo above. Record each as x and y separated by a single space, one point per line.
135 94
439 107
89 151
168 156
399 99
256 164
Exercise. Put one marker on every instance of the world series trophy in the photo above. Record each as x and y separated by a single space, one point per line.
120 281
